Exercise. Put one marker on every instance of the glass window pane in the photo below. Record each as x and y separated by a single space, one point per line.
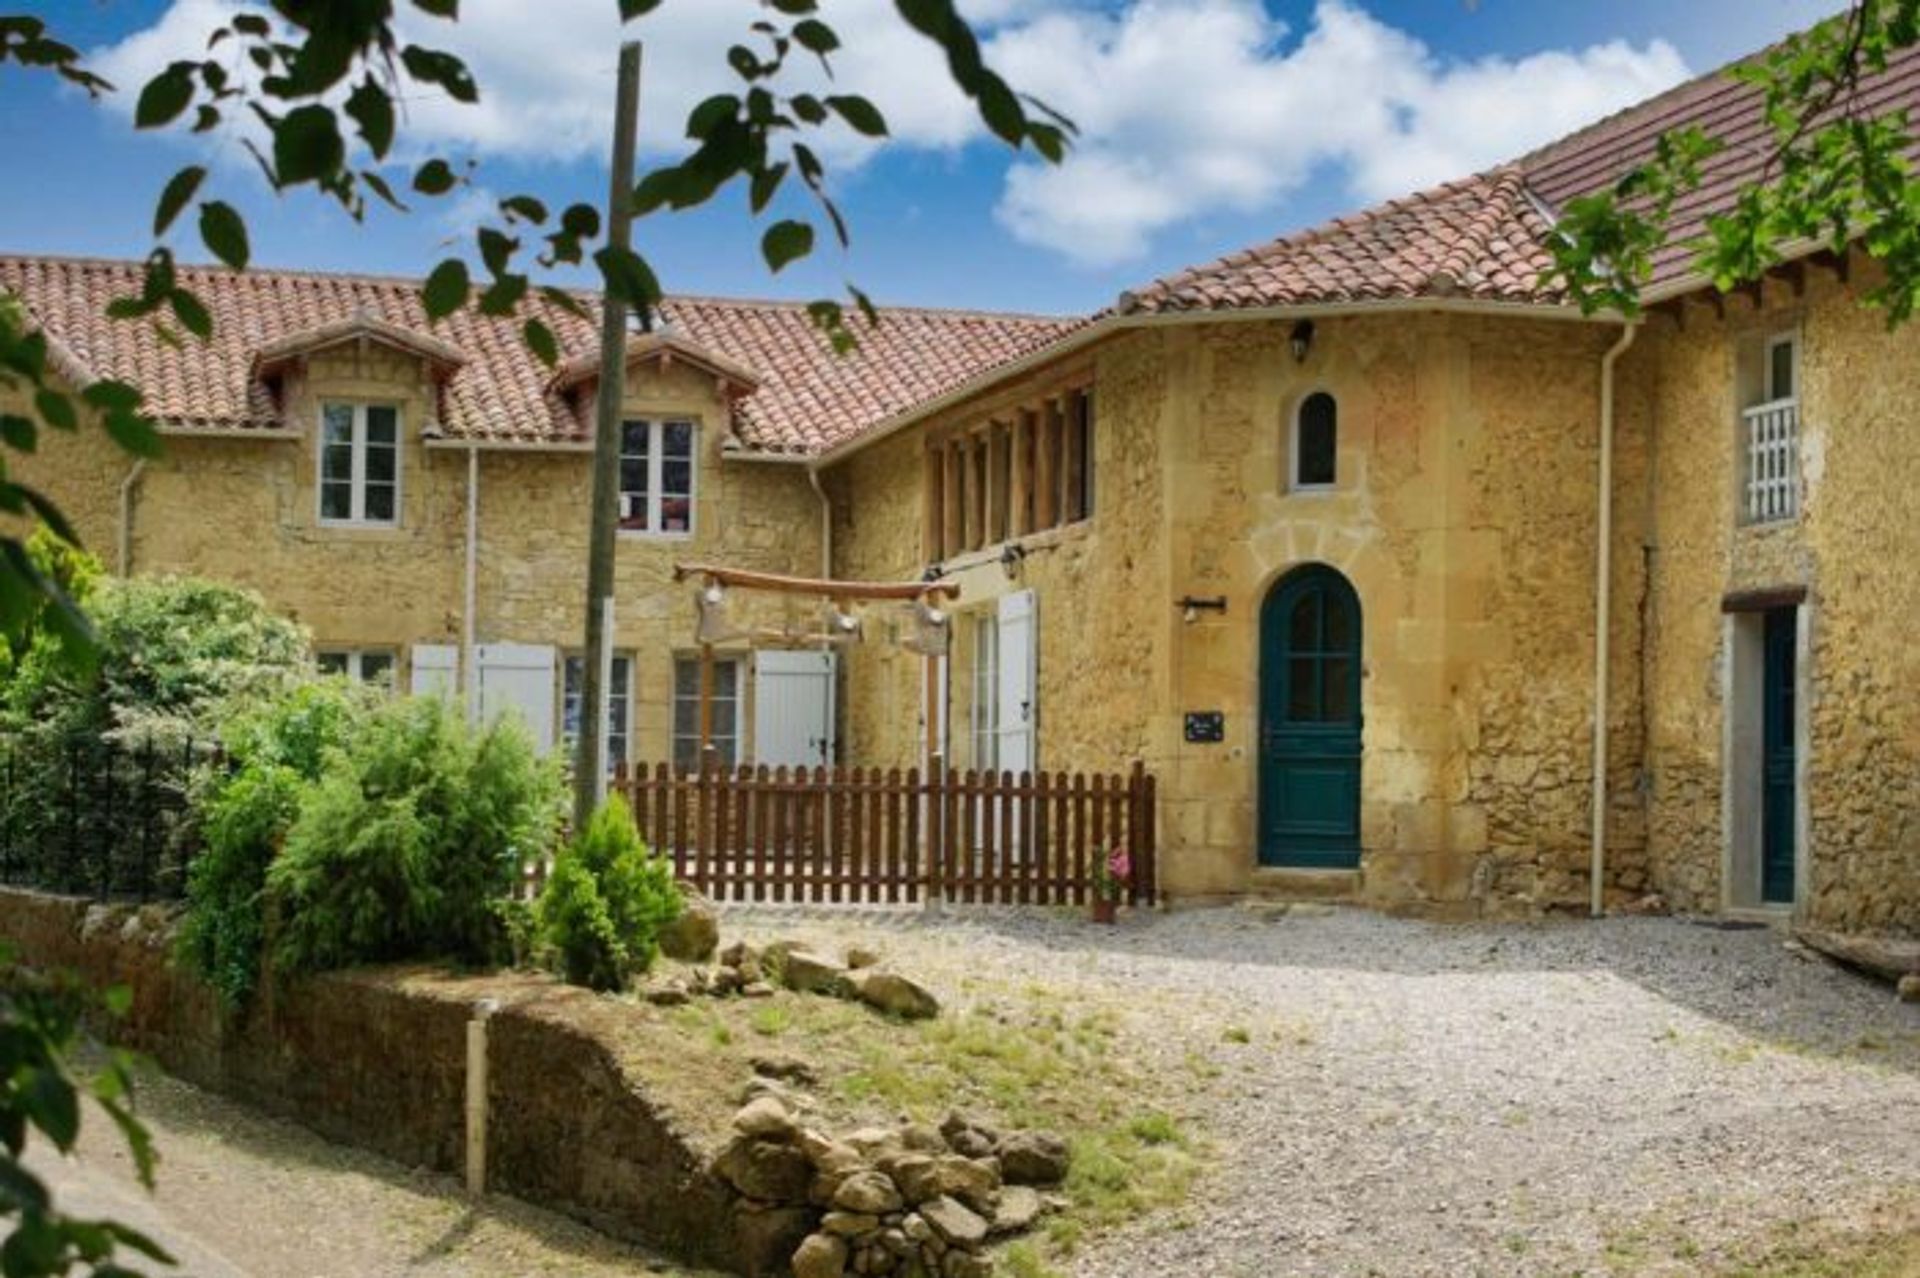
686 718
377 667
336 500
726 678
333 663
633 438
1339 631
676 514
383 425
676 477
337 423
381 462
379 507
1336 675
676 439
1303 696
1303 627
620 668
1780 374
724 713
336 463
1316 441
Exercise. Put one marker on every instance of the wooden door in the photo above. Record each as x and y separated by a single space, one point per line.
1779 759
1310 722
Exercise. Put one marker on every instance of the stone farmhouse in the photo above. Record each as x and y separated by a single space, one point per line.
1381 556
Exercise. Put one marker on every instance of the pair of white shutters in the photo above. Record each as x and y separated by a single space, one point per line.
515 678
1017 687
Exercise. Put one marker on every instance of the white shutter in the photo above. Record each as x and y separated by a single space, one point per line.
517 678
435 669
793 708
1019 710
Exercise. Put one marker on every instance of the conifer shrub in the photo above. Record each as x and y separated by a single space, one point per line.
606 902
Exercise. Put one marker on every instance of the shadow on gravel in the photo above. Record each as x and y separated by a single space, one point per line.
1746 978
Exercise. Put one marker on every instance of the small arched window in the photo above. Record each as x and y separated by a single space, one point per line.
1316 439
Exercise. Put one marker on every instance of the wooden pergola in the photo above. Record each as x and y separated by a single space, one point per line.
841 594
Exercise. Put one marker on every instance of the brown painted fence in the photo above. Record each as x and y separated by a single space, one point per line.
874 836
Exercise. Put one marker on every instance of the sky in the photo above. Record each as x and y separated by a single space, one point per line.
1205 126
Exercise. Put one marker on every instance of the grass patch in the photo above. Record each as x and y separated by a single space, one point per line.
771 1021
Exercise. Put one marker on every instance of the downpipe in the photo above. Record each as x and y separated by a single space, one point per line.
1602 612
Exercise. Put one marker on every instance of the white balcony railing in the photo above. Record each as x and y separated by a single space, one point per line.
1773 461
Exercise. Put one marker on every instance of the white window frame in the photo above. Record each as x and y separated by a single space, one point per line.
620 747
1752 418
354 663
1791 340
729 758
984 711
656 466
1294 483
357 476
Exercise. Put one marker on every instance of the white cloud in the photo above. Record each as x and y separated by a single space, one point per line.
1187 107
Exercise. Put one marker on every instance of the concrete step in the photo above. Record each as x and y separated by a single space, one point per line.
1270 884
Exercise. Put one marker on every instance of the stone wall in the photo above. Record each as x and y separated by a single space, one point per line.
377 1059
1852 549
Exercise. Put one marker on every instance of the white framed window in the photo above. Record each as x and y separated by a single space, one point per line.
686 711
1770 435
1313 451
362 665
656 477
359 464
619 705
985 717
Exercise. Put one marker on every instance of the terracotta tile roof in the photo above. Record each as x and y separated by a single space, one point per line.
807 399
1479 238
1725 108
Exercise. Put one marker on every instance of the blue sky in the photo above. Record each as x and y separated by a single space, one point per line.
1209 125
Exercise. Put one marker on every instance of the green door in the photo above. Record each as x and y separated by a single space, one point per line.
1310 722
1777 759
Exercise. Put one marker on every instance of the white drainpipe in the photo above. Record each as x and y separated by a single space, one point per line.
127 486
1603 602
826 524
469 677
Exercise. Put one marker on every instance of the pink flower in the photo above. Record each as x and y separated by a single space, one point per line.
1120 865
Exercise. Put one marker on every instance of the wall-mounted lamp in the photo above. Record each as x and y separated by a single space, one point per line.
1191 606
1012 558
1301 340
934 572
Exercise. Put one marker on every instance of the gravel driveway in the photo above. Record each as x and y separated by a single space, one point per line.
1397 1098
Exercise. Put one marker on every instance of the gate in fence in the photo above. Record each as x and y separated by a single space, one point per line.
873 836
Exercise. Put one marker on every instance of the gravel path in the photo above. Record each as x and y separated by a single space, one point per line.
1628 1096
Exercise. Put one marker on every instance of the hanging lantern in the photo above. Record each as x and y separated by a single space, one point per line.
931 633
842 626
714 625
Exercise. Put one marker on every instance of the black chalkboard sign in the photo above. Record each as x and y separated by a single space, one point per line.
1206 727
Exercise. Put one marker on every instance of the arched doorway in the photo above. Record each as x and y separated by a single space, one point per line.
1310 721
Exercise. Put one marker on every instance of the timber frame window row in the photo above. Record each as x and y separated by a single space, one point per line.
1022 471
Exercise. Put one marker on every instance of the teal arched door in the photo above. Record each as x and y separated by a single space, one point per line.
1310 722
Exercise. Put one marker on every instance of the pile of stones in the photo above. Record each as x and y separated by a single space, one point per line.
911 1200
746 971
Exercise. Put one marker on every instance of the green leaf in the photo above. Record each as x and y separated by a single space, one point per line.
191 313
862 115
628 277
307 146
372 109
135 435
18 433
815 36
179 190
164 97
224 233
435 177
446 289
435 66
631 9
54 1106
541 342
714 111
524 207
56 410
785 241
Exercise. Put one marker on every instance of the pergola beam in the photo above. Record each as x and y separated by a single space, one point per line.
780 583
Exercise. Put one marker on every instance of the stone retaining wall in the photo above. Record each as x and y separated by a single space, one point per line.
377 1059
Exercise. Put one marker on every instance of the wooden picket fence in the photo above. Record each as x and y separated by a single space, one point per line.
873 836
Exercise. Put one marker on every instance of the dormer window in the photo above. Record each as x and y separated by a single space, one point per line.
656 477
359 465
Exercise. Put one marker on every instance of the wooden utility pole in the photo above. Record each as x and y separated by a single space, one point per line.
590 761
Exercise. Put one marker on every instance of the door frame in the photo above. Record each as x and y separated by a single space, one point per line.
1742 682
1273 585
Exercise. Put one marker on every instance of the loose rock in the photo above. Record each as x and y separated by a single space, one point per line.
1909 988
894 994
859 956
1018 1208
1033 1158
955 1222
867 1192
811 973
820 1256
765 1169
765 1117
693 936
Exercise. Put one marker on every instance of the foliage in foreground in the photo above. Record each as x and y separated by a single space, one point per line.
40 1092
606 902
412 832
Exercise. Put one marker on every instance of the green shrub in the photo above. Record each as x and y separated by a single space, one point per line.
415 828
277 751
606 902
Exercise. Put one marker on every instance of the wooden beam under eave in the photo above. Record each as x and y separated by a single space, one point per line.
1020 519
1046 468
933 494
1795 274
953 526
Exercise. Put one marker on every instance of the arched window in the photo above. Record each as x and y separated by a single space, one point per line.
1316 439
